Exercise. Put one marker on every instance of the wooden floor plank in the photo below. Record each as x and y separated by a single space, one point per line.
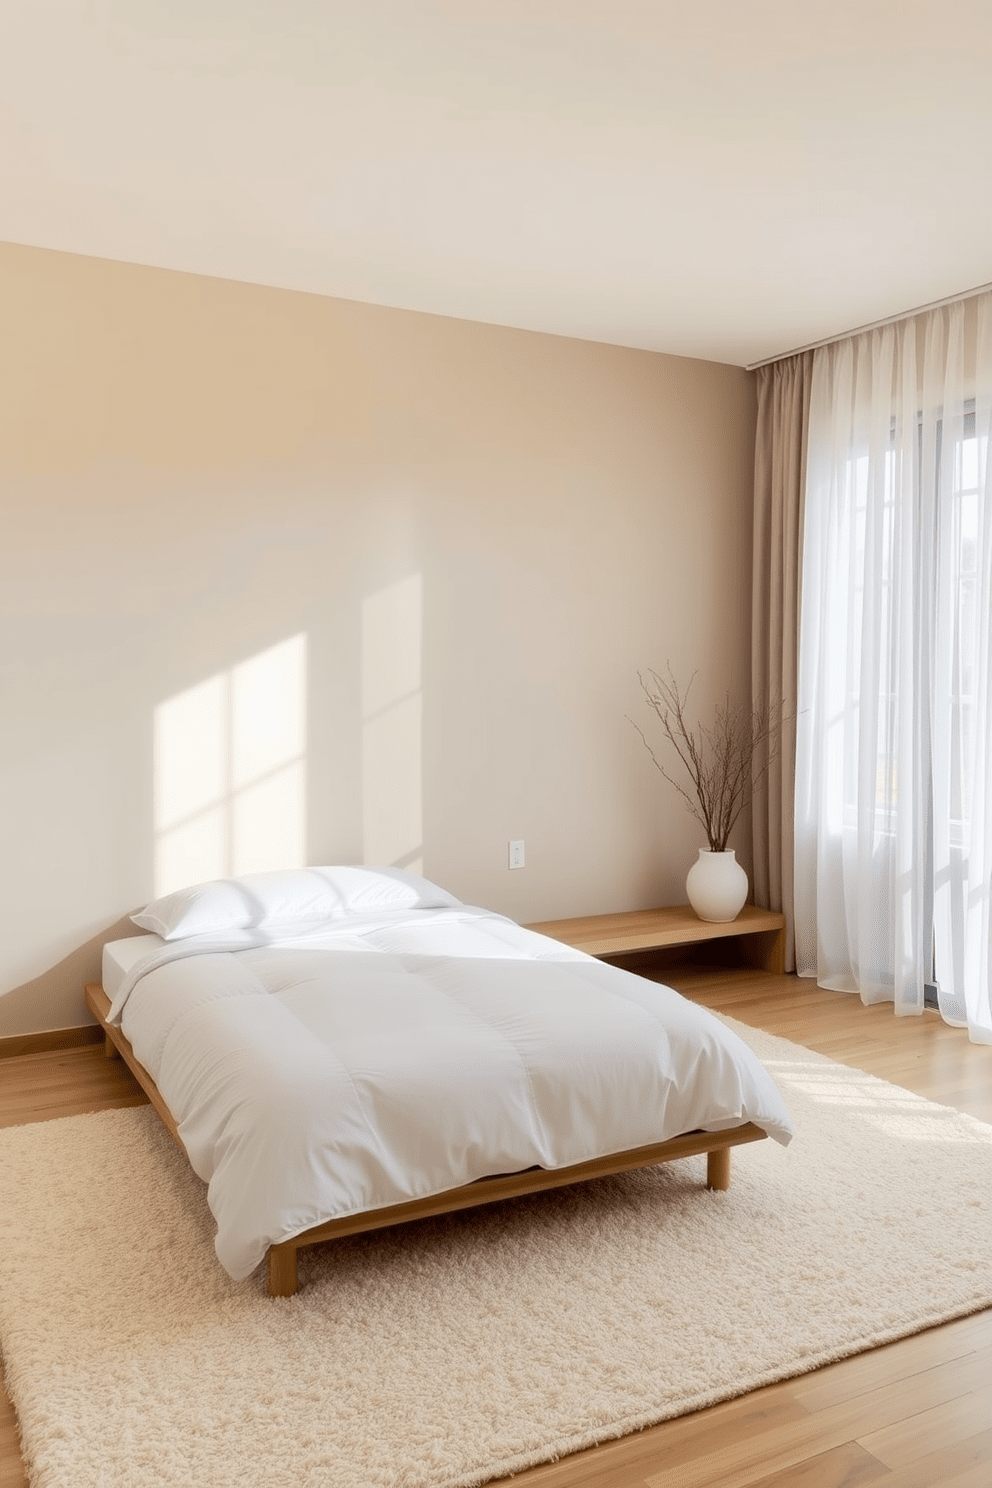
967 1343
921 1404
965 1464
944 1425
847 1466
70 1082
731 1458
12 1471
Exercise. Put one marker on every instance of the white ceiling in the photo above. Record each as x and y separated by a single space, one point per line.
728 181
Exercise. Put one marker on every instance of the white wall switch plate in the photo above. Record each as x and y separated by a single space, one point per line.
516 854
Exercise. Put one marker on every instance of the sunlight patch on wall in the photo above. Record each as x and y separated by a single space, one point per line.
392 778
230 771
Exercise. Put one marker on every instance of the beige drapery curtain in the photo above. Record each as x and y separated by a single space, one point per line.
779 483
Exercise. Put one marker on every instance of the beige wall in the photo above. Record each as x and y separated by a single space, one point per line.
480 533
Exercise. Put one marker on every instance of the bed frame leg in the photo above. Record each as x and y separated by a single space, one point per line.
718 1168
110 1049
282 1270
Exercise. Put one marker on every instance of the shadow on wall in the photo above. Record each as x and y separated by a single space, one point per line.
230 793
230 771
45 1001
392 726
230 782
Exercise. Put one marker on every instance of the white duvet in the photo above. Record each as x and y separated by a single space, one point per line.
398 1055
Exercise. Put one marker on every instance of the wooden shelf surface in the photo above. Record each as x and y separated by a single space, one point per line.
660 929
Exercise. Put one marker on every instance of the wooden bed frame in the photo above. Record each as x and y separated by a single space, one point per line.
282 1257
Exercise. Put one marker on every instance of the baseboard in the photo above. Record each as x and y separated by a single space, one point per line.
50 1041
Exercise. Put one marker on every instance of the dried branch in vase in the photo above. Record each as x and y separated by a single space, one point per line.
720 760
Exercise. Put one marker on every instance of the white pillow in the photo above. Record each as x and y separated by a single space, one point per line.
289 901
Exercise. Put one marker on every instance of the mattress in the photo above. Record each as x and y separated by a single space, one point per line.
397 1055
121 956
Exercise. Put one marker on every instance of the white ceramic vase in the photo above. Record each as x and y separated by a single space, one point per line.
717 886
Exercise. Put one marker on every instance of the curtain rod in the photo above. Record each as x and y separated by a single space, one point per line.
873 325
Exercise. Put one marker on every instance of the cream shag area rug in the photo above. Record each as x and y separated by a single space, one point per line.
468 1347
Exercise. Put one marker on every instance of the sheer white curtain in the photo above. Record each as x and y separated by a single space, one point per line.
893 833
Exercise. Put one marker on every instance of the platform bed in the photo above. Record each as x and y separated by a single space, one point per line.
282 1257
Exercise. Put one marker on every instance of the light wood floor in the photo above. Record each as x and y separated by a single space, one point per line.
916 1414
